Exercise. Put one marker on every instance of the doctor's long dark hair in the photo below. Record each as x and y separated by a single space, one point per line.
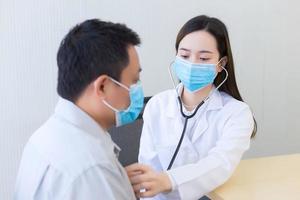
217 29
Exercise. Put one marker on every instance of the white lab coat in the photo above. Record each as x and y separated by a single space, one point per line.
215 141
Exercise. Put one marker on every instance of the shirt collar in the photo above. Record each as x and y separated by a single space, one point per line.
70 112
215 102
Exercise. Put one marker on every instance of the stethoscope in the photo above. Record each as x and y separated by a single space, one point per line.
187 117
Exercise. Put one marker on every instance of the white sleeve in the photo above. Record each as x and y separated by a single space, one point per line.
146 150
97 183
196 180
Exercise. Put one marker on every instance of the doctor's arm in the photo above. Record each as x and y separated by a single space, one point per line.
142 176
195 180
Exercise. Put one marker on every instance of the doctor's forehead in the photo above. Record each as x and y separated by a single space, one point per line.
198 41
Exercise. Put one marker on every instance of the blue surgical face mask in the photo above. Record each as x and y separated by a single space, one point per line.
194 76
136 104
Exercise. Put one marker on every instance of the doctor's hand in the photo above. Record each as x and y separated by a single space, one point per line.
146 182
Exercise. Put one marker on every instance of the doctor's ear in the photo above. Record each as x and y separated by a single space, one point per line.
101 85
222 63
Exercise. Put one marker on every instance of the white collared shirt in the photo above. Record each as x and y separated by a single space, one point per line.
215 140
71 157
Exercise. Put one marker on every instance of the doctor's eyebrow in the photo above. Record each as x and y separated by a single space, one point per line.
205 51
201 51
184 49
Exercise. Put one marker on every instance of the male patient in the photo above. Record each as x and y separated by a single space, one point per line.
72 156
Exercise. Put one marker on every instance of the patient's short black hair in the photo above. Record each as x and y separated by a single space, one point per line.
92 48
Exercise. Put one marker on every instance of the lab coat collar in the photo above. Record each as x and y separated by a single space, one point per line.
70 112
215 102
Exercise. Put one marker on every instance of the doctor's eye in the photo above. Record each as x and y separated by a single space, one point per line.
184 56
204 59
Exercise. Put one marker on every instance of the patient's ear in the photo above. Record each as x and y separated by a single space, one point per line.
101 85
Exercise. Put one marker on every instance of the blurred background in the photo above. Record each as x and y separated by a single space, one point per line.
265 39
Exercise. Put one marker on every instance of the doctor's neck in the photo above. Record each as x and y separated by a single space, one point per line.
191 100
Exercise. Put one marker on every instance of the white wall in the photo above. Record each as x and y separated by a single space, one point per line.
265 37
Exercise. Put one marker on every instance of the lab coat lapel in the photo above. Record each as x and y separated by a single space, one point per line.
201 126
187 152
214 103
166 152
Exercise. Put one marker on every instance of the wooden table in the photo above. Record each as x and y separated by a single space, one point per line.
267 178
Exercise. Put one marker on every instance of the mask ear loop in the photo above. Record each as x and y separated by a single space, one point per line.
120 84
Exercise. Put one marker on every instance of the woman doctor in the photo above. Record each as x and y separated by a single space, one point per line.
194 135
